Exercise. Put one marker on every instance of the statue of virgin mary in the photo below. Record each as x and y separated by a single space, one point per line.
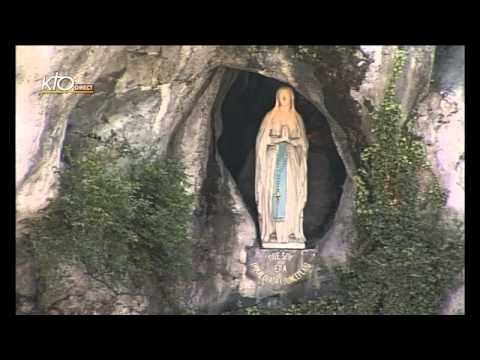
281 174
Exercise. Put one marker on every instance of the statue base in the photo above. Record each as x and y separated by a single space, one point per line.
293 245
277 270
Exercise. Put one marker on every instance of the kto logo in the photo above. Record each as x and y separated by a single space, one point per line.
58 84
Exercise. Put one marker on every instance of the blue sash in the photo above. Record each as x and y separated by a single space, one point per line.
280 177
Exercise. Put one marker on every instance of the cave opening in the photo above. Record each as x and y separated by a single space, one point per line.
249 98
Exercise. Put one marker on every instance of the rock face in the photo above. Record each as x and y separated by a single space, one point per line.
179 97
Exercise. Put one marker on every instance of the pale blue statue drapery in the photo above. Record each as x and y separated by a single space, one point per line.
280 190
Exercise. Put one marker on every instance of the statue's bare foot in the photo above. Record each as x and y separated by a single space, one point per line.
292 236
273 236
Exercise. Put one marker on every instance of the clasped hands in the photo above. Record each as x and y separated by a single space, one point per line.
284 137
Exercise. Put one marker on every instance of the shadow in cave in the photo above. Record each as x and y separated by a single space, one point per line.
250 97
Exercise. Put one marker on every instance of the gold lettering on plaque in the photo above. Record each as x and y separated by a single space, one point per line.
276 279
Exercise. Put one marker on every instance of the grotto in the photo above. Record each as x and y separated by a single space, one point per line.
250 97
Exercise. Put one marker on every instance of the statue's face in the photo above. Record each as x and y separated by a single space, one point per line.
284 98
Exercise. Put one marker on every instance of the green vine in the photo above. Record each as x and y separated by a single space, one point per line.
120 224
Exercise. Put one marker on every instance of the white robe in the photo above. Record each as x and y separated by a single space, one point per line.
266 155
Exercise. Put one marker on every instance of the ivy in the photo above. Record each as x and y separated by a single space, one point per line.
121 223
408 254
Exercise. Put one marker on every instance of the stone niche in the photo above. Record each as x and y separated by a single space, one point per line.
250 97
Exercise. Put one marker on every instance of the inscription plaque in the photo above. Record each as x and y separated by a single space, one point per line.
276 269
